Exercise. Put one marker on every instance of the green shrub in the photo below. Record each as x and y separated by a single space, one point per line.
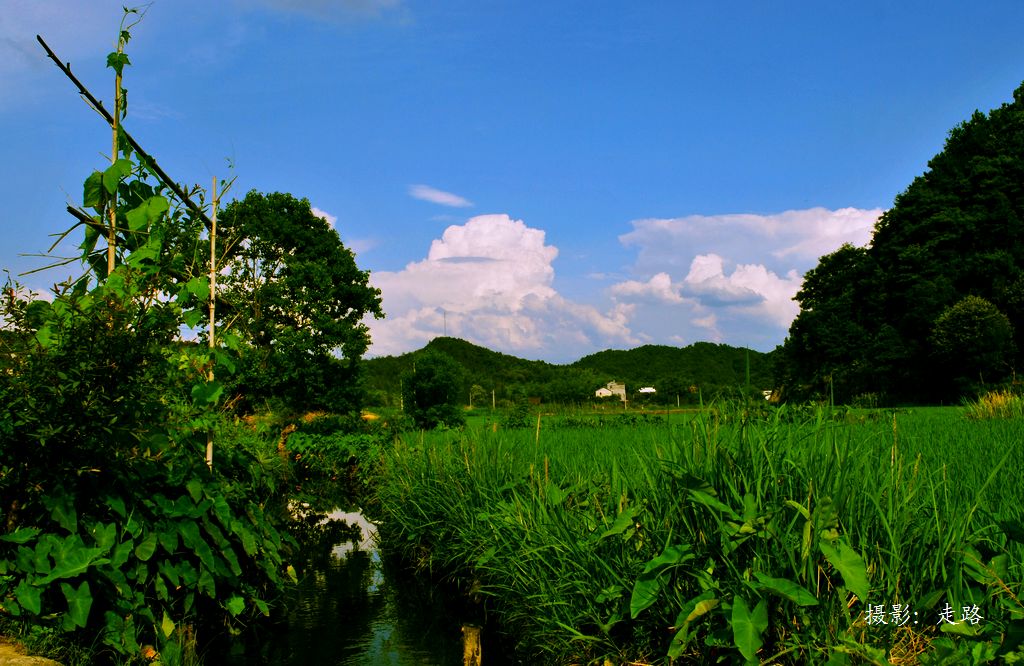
115 526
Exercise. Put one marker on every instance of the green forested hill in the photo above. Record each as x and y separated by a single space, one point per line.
933 308
702 363
671 370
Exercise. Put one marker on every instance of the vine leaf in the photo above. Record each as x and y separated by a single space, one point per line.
146 547
235 605
22 535
111 178
92 195
207 392
786 589
117 60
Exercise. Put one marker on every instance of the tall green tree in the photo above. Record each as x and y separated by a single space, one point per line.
432 390
298 300
828 350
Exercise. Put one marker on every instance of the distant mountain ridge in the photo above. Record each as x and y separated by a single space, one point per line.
670 370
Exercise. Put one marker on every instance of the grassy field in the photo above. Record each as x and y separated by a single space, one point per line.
734 534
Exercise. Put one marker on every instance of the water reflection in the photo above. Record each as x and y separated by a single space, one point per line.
349 610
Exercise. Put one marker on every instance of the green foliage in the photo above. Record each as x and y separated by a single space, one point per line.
341 452
293 292
677 374
432 390
869 316
518 416
672 370
974 340
114 520
732 536
748 627
115 526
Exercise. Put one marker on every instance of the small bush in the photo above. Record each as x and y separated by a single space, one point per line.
518 416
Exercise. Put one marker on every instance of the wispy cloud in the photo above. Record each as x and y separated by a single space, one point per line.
791 239
356 245
427 193
72 29
338 10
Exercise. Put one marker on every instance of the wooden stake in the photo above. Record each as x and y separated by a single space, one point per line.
144 157
213 308
114 125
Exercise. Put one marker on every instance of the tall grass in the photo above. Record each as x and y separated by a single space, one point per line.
729 535
996 405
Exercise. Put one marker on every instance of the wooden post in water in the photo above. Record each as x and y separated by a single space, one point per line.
472 649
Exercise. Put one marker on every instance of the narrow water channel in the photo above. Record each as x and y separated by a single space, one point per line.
350 609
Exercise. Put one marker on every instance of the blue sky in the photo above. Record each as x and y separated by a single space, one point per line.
546 179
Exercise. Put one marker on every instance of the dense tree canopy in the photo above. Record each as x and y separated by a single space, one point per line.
298 301
869 316
432 391
973 340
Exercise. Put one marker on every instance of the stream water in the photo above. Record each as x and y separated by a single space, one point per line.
351 608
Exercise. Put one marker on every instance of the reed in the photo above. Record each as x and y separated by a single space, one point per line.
732 534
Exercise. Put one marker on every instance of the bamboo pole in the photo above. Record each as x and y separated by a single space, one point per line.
112 228
147 160
213 308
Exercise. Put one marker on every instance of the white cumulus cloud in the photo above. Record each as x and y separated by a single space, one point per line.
749 288
730 278
489 281
659 289
427 193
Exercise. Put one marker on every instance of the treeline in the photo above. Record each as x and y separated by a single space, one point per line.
933 308
702 370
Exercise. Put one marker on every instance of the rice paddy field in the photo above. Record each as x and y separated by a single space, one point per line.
732 534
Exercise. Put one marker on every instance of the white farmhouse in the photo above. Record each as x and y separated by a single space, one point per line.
610 389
